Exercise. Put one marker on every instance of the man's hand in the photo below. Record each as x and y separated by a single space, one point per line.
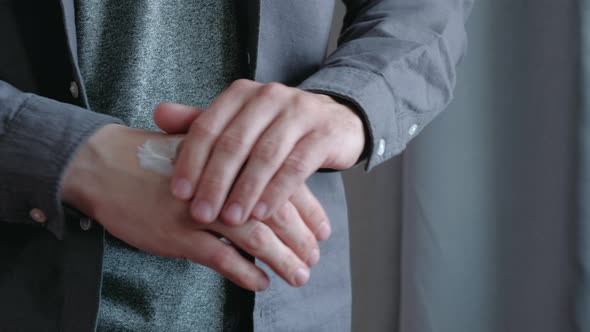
105 181
177 119
257 144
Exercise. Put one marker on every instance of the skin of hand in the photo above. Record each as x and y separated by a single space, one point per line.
104 181
177 119
256 144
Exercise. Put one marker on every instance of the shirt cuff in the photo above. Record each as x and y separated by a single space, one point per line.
37 144
375 103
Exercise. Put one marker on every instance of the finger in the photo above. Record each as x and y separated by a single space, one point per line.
259 240
292 230
312 212
200 139
206 249
266 157
306 158
231 150
175 118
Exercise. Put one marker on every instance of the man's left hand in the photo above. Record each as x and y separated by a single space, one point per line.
257 144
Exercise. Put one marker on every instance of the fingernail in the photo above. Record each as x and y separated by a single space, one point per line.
182 189
314 257
202 211
233 214
324 231
259 211
301 277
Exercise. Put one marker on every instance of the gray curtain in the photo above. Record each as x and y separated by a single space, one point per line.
583 238
474 228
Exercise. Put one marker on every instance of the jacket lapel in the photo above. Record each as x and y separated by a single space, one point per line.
69 17
251 27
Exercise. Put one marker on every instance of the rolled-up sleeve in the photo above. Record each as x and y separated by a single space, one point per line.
38 138
395 62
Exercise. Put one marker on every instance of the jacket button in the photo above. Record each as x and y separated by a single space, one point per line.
85 223
74 90
38 215
381 147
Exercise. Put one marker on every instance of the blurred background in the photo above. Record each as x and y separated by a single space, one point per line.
479 226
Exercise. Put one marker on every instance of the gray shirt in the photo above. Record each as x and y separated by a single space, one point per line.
134 55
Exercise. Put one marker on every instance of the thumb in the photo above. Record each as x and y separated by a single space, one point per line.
175 118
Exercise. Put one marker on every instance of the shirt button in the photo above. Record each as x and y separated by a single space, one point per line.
412 130
85 223
74 90
381 147
38 215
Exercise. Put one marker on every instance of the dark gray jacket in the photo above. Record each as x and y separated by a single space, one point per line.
395 63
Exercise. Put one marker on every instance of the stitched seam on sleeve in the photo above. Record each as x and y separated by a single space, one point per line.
24 105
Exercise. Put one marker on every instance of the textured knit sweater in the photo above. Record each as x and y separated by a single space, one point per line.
134 55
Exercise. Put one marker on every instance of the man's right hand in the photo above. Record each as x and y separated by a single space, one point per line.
105 181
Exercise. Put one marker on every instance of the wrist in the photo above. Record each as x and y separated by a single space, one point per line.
82 175
357 128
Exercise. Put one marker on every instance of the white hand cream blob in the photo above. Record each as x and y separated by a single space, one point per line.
158 155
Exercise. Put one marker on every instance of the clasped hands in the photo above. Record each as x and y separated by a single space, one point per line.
240 173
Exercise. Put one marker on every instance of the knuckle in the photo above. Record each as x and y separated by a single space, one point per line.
272 89
296 166
258 238
302 101
240 84
284 213
266 151
246 189
327 132
305 245
231 143
277 223
202 131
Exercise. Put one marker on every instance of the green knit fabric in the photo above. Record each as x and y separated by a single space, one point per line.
134 55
